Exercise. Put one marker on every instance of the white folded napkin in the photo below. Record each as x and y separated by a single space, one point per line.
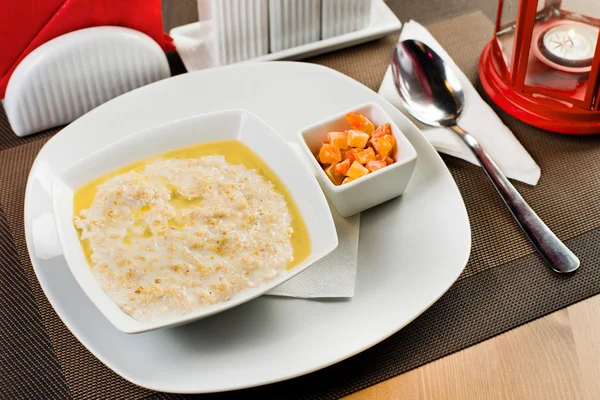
335 274
194 46
477 118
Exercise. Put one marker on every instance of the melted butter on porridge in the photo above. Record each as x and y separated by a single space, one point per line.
171 234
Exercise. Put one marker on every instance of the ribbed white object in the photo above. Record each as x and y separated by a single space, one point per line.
240 29
74 73
293 23
343 16
196 46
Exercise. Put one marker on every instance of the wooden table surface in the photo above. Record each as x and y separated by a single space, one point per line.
555 357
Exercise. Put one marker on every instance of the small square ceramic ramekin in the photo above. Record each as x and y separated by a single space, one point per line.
369 190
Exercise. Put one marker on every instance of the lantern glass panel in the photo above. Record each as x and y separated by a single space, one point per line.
506 29
562 49
583 10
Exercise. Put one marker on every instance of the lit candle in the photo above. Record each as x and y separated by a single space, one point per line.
569 43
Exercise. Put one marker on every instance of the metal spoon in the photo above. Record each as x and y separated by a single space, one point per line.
432 94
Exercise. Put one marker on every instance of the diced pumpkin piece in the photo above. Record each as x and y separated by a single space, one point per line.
336 179
383 129
388 160
357 139
329 154
351 155
347 180
356 171
382 146
391 139
375 165
360 123
338 139
342 167
365 156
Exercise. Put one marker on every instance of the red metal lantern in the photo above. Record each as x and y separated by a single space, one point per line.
542 66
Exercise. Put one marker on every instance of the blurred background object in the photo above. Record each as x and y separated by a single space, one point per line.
543 64
57 66
230 31
343 16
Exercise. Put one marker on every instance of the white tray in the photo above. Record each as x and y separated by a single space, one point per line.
192 38
411 249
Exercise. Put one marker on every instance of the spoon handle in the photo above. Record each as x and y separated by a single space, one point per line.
556 254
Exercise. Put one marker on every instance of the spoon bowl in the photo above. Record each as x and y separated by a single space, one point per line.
429 88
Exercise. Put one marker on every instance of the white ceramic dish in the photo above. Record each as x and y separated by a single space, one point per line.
241 29
411 249
293 23
71 74
343 16
367 191
233 125
194 46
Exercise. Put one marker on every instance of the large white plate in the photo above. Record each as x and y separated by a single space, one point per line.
411 249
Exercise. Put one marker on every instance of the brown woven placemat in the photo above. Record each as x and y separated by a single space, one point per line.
504 285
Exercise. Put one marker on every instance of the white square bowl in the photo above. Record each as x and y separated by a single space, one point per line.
233 124
374 188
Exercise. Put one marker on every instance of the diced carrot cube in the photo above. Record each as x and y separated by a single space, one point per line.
329 154
333 177
375 165
338 139
382 146
357 139
360 123
351 155
384 129
356 170
347 180
342 167
365 156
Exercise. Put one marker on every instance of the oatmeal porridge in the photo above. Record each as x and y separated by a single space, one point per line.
175 234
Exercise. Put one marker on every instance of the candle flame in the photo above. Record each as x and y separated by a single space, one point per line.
571 33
